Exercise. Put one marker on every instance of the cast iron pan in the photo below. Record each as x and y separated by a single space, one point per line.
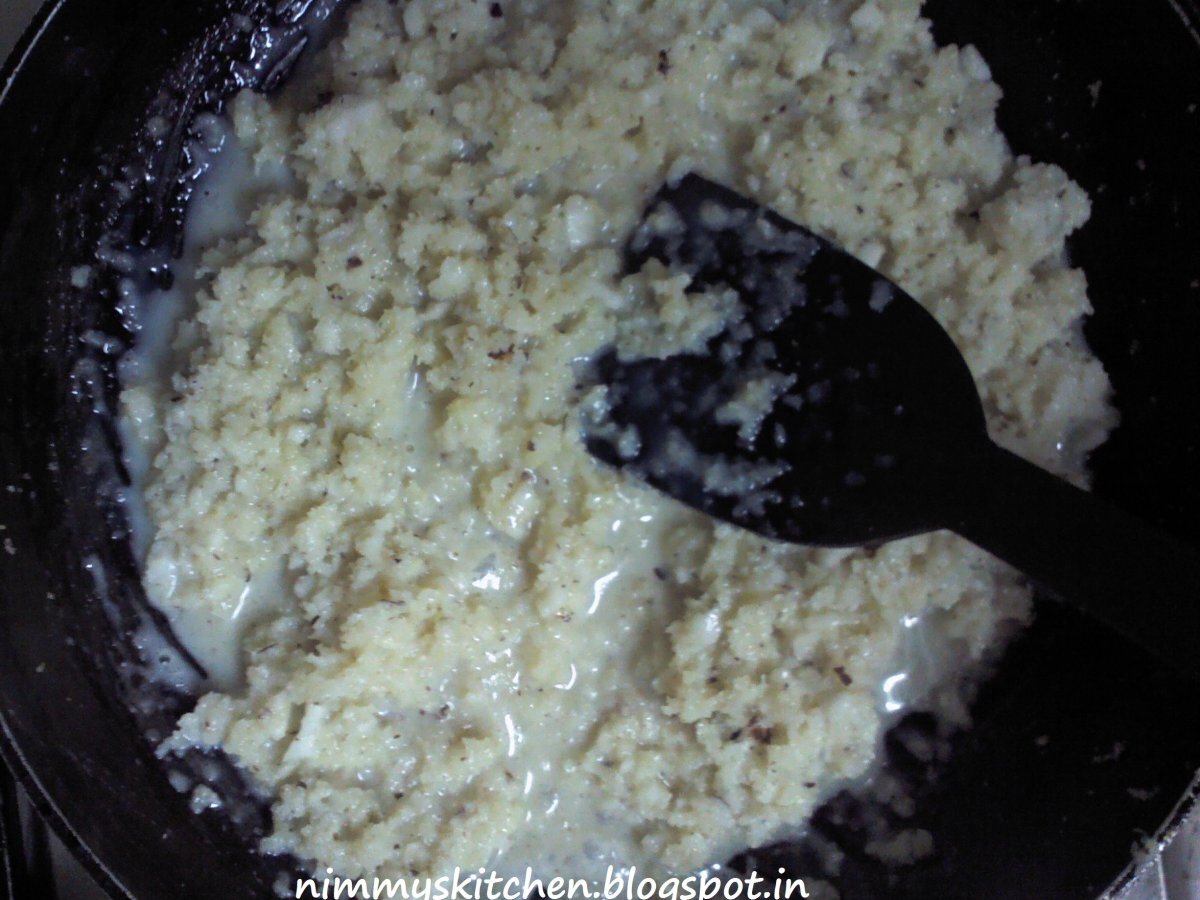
1082 745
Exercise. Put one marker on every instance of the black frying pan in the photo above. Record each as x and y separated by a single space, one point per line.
1032 804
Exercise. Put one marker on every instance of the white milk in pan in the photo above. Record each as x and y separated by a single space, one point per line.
439 633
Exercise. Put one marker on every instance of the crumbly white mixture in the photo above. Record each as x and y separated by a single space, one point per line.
470 644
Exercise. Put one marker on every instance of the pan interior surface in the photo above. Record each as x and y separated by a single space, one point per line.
1080 743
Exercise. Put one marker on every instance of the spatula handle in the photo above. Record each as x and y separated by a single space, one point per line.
1142 583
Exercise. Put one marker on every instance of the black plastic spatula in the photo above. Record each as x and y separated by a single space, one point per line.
835 411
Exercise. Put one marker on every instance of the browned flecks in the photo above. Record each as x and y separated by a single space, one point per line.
501 354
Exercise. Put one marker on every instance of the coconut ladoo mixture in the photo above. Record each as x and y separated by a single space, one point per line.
457 639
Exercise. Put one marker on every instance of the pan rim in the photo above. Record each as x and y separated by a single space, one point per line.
25 774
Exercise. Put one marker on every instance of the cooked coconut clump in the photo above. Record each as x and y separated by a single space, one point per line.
441 633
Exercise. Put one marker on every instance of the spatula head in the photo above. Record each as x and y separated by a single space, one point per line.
821 414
